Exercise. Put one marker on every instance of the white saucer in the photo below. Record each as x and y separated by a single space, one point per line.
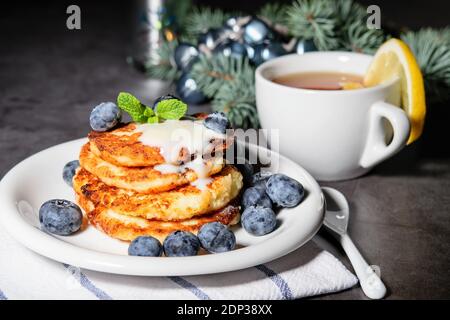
39 178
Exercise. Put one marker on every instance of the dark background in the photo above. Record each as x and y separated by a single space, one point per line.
52 77
412 13
42 63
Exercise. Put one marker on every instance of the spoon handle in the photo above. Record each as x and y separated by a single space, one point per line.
370 282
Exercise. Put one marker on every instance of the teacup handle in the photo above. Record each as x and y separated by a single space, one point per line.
376 149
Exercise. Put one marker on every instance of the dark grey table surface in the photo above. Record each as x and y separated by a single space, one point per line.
50 78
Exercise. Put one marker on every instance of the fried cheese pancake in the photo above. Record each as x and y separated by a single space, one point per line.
146 179
127 228
179 204
122 146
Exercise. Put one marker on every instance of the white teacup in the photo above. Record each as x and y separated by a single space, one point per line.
335 135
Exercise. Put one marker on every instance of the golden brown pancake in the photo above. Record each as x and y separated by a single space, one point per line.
178 204
142 179
127 228
121 146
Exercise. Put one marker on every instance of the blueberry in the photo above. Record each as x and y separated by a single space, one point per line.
258 220
69 171
105 116
246 168
181 244
60 217
260 177
163 98
217 121
216 237
256 196
145 246
284 191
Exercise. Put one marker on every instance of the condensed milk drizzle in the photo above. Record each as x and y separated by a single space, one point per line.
173 136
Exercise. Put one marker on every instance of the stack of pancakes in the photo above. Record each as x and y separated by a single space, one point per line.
124 193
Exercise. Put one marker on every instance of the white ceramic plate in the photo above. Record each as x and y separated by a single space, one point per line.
39 178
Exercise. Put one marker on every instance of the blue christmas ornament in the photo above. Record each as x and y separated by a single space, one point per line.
250 51
238 50
303 46
231 48
222 48
188 91
256 31
185 55
233 24
266 51
209 38
224 29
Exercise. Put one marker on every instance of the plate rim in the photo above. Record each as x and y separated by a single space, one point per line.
68 253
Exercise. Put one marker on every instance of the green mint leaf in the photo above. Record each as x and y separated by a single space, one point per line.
140 119
171 109
131 105
148 112
153 119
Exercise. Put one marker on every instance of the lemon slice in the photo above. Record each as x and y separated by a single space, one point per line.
351 85
394 59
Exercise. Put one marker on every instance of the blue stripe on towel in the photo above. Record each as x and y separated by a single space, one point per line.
278 280
2 296
191 287
86 283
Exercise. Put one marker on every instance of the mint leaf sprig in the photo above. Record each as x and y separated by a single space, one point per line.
131 105
168 109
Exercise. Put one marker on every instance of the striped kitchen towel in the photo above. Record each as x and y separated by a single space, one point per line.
305 272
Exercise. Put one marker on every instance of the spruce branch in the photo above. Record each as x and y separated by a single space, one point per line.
444 34
349 11
230 82
432 50
237 100
314 19
211 73
188 38
177 10
274 12
162 65
359 38
203 19
241 114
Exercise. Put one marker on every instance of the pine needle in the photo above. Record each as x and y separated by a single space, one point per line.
230 82
432 50
211 73
314 19
274 12
349 11
237 100
359 38
203 19
162 65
